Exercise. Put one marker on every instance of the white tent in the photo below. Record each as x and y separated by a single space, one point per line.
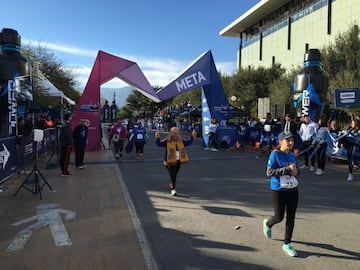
53 91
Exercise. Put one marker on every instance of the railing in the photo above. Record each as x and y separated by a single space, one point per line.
16 153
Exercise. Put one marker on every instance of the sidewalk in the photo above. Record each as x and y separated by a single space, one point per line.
99 235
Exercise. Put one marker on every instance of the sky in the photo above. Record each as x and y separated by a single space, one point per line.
162 36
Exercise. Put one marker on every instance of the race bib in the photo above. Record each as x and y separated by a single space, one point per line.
139 136
289 182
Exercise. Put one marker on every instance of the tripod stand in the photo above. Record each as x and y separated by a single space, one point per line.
36 187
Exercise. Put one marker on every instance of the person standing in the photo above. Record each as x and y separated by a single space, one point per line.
282 168
48 123
319 145
289 126
213 127
175 153
349 142
139 136
117 137
28 127
80 135
65 145
307 132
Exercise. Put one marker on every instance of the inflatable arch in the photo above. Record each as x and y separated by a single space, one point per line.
201 73
105 68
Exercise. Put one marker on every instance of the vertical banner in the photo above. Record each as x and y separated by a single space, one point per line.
206 117
12 109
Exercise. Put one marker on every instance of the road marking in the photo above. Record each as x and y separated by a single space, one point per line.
46 214
145 247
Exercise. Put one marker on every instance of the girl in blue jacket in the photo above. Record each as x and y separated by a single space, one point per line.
282 168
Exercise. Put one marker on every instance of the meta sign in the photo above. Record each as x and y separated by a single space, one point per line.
347 97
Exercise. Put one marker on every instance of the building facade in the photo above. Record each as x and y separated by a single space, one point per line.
279 31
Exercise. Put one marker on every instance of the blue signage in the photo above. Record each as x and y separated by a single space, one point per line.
347 97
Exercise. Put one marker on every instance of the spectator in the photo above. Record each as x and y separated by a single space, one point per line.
48 123
65 145
349 141
320 145
80 134
28 125
307 133
213 128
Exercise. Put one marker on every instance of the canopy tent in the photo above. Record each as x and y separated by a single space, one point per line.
54 92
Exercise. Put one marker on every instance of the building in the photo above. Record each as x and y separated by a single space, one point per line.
280 31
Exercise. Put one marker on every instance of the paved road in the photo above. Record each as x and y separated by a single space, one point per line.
220 191
126 219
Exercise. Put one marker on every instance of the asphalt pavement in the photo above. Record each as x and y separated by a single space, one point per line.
118 214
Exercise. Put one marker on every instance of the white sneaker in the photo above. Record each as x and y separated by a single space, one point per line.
214 149
304 166
319 172
206 148
312 169
173 192
350 177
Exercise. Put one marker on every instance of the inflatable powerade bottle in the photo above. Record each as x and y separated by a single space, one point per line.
310 87
12 65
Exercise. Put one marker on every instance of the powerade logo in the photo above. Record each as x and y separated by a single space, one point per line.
305 103
190 81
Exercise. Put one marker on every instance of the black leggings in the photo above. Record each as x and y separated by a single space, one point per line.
349 154
139 146
173 171
305 145
282 200
321 156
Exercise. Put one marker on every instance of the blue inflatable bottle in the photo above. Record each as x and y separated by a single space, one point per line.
12 64
310 87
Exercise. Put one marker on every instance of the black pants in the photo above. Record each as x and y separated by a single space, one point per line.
321 155
173 171
349 154
305 145
65 151
285 200
139 147
79 155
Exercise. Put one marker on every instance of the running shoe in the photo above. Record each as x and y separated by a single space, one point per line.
266 229
288 248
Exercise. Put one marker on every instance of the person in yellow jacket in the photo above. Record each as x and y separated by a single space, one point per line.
175 153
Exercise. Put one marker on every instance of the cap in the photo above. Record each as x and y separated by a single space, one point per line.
283 136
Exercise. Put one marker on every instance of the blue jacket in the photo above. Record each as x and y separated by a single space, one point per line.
139 134
278 165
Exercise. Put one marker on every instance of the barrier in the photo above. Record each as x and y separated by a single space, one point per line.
17 152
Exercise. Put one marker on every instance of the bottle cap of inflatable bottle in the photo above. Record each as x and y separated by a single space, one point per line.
10 37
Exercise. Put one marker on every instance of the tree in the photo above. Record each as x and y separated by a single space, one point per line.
341 61
43 61
138 105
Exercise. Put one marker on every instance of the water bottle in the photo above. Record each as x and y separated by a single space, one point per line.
310 87
12 64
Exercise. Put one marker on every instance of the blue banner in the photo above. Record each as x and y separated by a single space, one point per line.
9 157
201 73
206 118
347 97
